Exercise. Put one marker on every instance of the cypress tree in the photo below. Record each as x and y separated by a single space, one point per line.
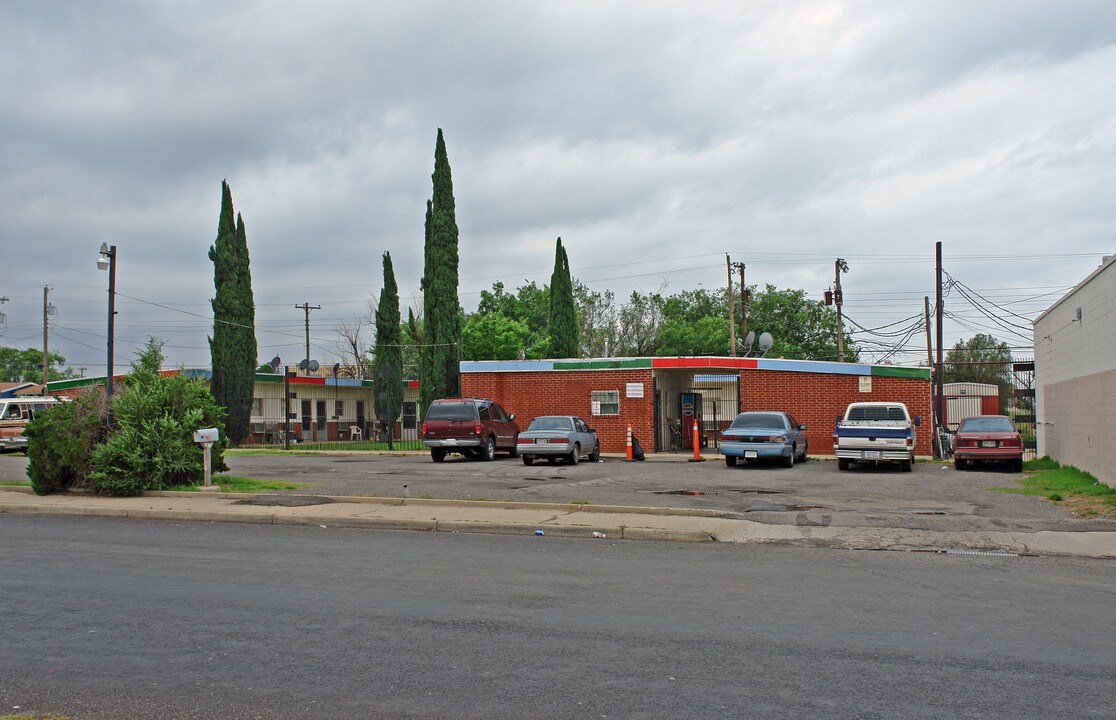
441 351
564 330
233 345
387 363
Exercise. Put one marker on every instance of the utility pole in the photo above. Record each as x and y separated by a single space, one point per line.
839 267
732 310
929 345
46 347
745 295
307 307
939 311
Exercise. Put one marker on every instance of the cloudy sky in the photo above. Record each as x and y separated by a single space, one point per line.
653 137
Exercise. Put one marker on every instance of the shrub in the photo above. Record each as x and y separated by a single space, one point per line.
152 446
61 441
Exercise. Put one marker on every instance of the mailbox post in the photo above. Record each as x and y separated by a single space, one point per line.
206 437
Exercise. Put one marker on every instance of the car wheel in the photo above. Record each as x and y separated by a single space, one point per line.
1018 466
437 454
788 461
488 454
514 452
842 463
730 460
805 452
528 460
575 454
596 454
906 465
958 464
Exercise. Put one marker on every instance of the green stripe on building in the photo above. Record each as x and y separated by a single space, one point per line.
634 363
900 372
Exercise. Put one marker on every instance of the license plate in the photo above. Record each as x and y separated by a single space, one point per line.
988 443
750 454
871 455
540 441
451 441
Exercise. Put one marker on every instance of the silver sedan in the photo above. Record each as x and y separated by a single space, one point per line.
558 436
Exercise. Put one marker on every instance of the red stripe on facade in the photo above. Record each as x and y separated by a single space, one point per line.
704 362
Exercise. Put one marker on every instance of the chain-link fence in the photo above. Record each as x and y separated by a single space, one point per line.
986 388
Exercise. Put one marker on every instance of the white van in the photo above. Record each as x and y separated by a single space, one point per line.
15 413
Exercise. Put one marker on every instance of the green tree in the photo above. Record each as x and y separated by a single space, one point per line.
151 446
528 307
27 366
492 337
801 328
233 345
387 361
597 317
564 329
638 325
980 359
441 351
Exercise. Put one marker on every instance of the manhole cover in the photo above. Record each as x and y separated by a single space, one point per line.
285 501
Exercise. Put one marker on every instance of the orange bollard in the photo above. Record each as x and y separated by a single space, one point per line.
697 445
629 454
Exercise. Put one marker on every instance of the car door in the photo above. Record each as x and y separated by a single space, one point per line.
506 429
585 436
796 432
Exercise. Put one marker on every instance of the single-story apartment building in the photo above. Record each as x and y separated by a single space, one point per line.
660 398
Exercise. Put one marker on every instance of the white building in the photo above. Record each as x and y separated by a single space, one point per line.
1075 376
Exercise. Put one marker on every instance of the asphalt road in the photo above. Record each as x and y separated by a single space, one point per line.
107 619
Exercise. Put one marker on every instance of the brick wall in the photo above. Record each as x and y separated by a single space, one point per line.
530 394
816 398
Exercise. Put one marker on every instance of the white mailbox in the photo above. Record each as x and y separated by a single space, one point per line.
206 435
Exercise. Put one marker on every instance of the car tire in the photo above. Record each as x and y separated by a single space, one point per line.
788 461
906 465
514 452
575 455
730 460
437 454
488 452
596 454
958 464
805 453
528 460
1018 466
842 463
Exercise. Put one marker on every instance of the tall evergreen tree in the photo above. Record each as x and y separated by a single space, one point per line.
564 330
233 345
441 352
387 363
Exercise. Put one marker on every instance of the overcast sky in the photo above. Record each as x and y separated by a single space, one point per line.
653 137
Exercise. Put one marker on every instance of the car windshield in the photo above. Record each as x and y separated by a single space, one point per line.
758 420
550 423
986 424
450 411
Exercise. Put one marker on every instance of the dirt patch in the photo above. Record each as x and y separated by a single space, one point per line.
1087 508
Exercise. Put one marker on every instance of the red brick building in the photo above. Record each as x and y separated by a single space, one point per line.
660 398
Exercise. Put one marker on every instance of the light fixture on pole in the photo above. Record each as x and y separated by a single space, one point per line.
107 261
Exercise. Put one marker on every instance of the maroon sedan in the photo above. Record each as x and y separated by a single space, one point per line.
987 438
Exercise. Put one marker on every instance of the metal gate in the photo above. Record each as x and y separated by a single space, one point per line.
685 399
1014 396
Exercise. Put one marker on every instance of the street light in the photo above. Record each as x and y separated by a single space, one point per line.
107 261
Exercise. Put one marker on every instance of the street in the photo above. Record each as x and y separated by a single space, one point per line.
110 619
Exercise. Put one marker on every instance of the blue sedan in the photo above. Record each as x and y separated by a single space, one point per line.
558 436
764 435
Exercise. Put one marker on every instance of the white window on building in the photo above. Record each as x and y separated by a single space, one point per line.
338 409
605 402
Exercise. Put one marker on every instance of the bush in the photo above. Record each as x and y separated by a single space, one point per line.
61 441
152 444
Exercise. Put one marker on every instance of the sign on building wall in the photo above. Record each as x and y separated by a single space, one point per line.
865 383
633 390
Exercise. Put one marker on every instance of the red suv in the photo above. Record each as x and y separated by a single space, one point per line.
471 426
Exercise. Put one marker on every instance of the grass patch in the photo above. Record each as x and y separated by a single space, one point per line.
235 483
1080 492
346 445
14 482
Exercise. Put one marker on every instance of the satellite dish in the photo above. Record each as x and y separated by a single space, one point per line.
748 341
275 361
302 364
314 366
765 343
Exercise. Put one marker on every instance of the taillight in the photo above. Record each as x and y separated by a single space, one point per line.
524 441
910 440
775 438
424 428
558 441
1012 442
476 428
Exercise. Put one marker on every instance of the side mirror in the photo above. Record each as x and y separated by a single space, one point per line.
837 420
917 420
511 417
802 426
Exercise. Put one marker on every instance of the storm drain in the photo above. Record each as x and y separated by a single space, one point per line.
286 501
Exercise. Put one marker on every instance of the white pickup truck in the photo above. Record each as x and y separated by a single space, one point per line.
875 432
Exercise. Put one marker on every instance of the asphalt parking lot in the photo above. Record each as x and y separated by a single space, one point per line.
933 495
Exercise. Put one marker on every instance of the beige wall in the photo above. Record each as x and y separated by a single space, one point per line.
1075 376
